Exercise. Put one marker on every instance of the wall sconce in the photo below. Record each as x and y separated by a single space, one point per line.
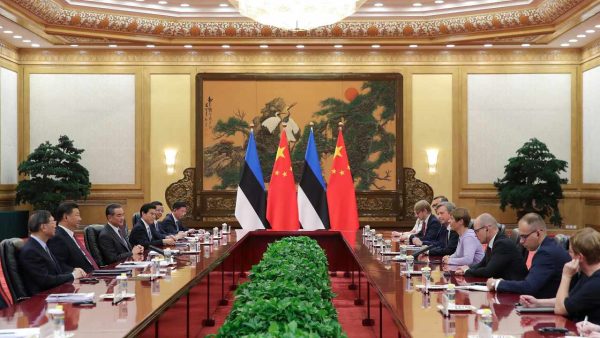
170 155
432 159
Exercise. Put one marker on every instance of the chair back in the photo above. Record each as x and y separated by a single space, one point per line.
501 229
90 236
515 235
562 240
9 256
135 218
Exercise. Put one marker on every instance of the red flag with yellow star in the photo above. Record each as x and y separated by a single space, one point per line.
282 206
341 198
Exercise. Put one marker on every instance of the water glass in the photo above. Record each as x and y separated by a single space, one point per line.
410 262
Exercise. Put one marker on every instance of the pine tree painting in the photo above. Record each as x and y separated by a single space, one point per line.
366 113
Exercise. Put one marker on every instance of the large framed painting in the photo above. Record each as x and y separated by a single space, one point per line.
369 105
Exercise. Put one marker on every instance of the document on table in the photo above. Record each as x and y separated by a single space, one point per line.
20 333
133 265
70 297
473 288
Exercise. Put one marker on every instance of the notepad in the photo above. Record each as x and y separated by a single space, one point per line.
133 265
544 309
112 295
473 288
20 333
70 297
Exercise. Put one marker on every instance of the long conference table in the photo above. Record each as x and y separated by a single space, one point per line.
181 303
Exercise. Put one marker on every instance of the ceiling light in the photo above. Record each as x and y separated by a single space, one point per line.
564 45
413 46
439 2
488 45
139 0
300 46
8 32
17 37
225 46
525 45
597 26
294 14
112 46
581 35
187 46
150 46
162 2
590 31
1 27
573 40
375 46
417 4
450 46
223 5
338 46
35 45
264 46
27 41
378 4
185 5
74 45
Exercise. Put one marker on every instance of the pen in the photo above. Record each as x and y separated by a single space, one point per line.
585 321
117 302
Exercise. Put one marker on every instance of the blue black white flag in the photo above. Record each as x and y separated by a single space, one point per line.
251 200
312 193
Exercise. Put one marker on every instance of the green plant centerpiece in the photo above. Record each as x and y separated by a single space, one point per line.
532 183
53 174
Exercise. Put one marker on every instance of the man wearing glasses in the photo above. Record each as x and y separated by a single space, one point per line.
502 258
543 278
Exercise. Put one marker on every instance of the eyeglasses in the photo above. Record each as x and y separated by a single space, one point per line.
477 230
524 237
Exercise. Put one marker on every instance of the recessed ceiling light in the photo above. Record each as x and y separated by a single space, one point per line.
150 46
8 32
264 46
417 4
27 41
112 46
375 46
488 45
300 46
413 46
581 35
450 46
162 2
597 26
338 46
525 45
185 5
225 46
1 27
223 5
564 45
17 37
74 45
139 0
187 46
590 31
35 45
378 4
573 40
439 2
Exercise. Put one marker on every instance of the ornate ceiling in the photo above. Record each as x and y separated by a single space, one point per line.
386 22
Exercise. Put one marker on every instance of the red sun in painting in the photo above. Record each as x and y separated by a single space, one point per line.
350 94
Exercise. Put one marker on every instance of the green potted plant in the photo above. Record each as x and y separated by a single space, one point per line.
53 174
532 183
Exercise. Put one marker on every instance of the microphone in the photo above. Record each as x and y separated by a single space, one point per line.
153 248
425 249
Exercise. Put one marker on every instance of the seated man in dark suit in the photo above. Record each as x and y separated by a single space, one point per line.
502 258
577 296
113 245
543 278
41 270
157 223
64 246
430 226
172 225
449 240
144 233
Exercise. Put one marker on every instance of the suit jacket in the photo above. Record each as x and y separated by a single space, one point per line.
40 271
545 273
139 235
112 247
66 251
432 232
447 245
168 226
502 261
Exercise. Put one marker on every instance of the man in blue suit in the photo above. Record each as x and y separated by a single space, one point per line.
431 229
545 273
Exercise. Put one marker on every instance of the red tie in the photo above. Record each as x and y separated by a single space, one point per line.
424 227
81 246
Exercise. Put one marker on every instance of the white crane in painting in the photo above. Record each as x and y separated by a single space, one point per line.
290 129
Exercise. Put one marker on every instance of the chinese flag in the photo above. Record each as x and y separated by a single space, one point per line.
341 198
282 206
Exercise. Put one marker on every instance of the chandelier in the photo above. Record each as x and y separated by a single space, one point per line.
296 14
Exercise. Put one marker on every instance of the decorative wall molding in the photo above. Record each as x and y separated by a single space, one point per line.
8 52
267 59
591 51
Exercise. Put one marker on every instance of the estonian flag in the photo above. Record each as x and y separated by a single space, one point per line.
251 200
312 193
